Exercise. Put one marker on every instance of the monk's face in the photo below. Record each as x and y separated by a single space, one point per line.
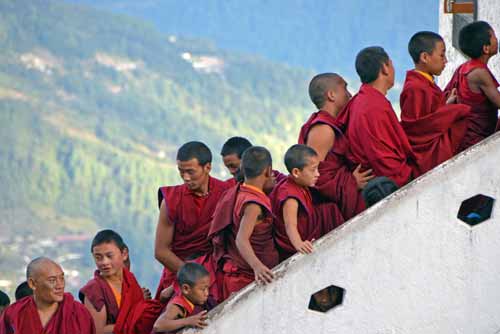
109 259
492 49
436 61
390 73
194 175
232 163
198 293
270 181
48 283
307 176
341 94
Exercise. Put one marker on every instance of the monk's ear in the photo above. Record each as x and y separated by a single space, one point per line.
31 283
330 95
207 167
424 58
185 288
269 171
295 172
125 254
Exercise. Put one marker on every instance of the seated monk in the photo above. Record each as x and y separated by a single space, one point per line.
4 301
376 139
475 84
231 153
50 310
340 181
23 290
297 221
185 214
113 297
242 227
434 124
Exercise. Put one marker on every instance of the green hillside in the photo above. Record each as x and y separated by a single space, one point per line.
92 109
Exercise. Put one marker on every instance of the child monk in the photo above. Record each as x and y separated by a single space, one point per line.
113 297
194 281
298 222
475 84
242 227
435 126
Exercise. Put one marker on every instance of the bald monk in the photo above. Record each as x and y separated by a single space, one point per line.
242 227
50 310
434 124
340 180
377 140
185 214
113 297
475 84
298 221
231 153
4 301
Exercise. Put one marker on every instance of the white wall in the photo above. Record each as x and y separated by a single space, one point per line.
489 11
408 265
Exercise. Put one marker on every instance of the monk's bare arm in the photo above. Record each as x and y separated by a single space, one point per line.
170 320
485 82
163 241
99 318
321 138
248 221
290 213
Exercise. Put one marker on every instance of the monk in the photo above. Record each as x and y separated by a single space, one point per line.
113 297
50 310
185 214
340 181
298 222
435 126
242 226
377 140
475 84
231 153
23 290
4 301
194 281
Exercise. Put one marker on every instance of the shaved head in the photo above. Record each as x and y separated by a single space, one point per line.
35 266
46 279
321 84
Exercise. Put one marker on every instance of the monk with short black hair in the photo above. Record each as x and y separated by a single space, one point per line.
4 301
231 153
23 290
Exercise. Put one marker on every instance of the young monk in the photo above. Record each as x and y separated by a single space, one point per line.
434 125
298 222
113 297
185 214
340 181
475 84
242 226
4 301
50 309
194 281
377 140
23 290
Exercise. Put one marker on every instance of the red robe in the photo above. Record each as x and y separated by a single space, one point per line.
312 222
484 114
186 306
434 129
376 138
191 216
134 315
70 318
336 181
223 231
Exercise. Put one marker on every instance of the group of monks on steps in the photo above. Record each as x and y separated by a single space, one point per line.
215 237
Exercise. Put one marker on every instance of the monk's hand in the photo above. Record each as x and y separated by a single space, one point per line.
198 320
263 274
362 178
452 98
146 293
305 247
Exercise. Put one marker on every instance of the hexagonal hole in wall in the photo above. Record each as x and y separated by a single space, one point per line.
476 210
326 299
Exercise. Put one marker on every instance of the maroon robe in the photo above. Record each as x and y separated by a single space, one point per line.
223 231
71 317
335 181
312 221
484 114
134 315
191 216
376 138
434 129
186 306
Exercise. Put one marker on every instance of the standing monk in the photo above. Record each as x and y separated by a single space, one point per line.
434 124
475 84
185 214
50 310
339 181
377 140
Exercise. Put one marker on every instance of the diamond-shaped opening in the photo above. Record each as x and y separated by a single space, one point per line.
476 209
326 299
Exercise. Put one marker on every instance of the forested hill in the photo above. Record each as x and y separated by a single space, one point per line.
92 109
